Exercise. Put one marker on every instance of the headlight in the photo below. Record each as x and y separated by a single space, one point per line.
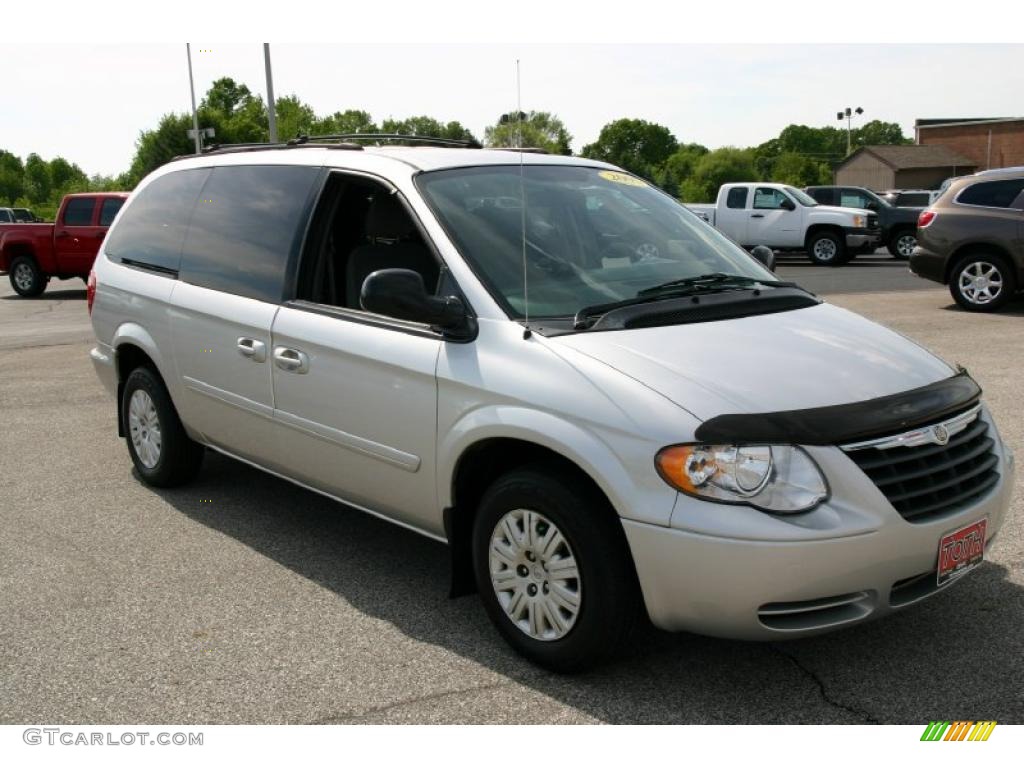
773 478
859 221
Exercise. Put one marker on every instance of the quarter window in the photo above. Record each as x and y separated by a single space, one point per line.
109 210
246 224
153 226
737 197
994 194
78 211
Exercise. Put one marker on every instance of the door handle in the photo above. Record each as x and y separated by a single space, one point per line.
252 348
757 215
288 359
63 234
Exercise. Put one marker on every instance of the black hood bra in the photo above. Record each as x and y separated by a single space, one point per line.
849 422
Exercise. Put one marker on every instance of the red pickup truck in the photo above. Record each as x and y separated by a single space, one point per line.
33 253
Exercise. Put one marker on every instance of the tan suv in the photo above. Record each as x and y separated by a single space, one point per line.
972 238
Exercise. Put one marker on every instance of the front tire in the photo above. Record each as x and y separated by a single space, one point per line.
163 453
826 249
26 278
902 243
554 570
982 282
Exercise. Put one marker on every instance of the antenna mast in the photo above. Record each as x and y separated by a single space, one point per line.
522 197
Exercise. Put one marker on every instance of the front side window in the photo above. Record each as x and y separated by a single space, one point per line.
246 222
588 235
993 194
78 211
768 199
851 198
150 232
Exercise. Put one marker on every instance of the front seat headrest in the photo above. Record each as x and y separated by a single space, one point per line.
387 219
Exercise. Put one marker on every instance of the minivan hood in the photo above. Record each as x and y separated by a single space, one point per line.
805 358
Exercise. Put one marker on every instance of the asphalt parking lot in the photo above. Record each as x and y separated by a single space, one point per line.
244 599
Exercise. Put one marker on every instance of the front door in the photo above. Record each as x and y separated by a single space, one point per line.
770 223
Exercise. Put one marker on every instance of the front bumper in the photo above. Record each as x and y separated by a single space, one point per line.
730 571
859 237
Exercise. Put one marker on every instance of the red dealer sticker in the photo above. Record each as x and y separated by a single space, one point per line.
960 551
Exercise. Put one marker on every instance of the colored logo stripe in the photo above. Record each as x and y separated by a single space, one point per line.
959 730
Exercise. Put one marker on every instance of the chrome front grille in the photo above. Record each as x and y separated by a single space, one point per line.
932 470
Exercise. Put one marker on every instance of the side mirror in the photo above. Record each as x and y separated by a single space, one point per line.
765 255
400 293
788 204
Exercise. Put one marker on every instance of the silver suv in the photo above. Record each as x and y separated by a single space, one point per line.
602 405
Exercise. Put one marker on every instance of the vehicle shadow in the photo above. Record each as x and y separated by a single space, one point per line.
957 655
67 293
1014 308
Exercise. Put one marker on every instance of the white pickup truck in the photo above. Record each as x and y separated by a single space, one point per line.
785 218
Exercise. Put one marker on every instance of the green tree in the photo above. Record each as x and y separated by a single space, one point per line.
879 132
294 118
636 145
542 130
12 177
679 167
423 125
715 169
37 179
155 147
349 121
799 170
225 96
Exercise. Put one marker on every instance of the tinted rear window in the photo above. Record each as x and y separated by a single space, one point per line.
109 210
995 194
246 222
78 211
153 227
6 216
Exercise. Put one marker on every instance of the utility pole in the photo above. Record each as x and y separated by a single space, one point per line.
848 114
271 110
192 89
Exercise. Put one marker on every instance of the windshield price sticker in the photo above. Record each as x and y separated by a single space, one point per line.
622 178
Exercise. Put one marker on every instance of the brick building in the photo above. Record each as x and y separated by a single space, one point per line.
908 166
996 142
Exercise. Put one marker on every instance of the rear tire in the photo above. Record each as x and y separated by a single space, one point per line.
163 453
26 278
982 282
526 573
826 249
902 243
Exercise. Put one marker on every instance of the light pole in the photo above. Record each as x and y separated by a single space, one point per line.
271 109
192 90
848 114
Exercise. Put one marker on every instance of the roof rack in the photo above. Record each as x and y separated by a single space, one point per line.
528 150
257 146
396 137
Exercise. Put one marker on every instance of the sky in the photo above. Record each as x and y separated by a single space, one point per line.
89 103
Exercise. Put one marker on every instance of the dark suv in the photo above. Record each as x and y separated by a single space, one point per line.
899 225
972 238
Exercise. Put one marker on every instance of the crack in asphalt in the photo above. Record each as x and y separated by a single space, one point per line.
339 719
856 711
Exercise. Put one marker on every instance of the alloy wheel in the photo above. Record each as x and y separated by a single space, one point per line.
534 575
24 276
980 282
905 245
825 249
144 427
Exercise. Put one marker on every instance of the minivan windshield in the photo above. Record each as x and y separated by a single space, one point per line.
592 236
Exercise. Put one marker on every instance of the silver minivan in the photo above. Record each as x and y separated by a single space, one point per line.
602 405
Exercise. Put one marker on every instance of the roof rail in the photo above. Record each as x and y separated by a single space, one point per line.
396 137
257 146
528 150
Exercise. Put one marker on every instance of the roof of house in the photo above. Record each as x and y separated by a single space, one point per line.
900 157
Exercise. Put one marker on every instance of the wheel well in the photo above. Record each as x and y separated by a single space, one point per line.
128 358
816 228
13 251
477 469
978 248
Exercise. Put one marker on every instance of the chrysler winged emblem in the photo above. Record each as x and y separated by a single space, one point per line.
940 434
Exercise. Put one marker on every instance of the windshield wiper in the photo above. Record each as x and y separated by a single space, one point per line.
686 286
711 280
